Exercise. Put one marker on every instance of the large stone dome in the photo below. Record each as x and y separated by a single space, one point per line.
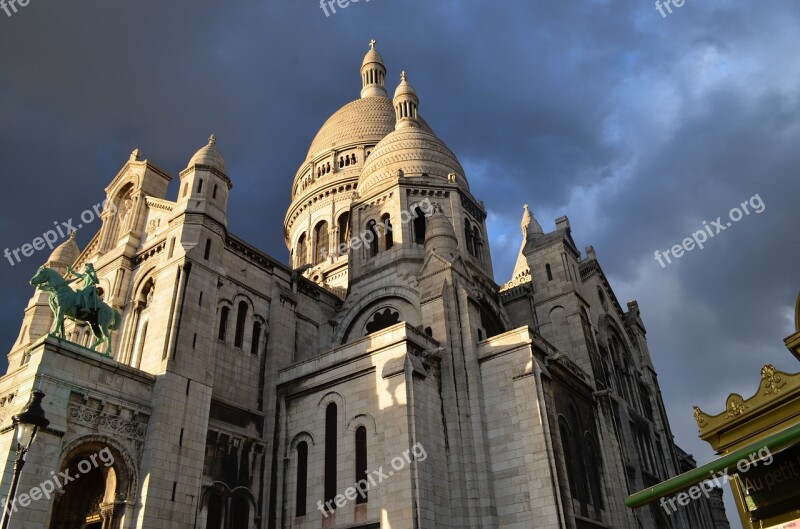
363 121
414 151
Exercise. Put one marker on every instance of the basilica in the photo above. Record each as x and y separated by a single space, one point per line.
381 378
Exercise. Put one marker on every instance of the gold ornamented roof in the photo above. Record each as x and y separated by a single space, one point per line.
774 388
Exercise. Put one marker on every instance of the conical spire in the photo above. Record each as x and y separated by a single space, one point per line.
531 229
530 226
406 104
373 74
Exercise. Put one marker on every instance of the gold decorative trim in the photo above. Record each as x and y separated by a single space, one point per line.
771 380
774 385
735 406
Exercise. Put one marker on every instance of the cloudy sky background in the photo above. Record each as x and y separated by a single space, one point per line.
637 127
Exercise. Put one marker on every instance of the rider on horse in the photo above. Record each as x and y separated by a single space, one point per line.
88 298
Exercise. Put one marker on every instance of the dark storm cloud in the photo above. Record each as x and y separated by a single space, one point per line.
638 127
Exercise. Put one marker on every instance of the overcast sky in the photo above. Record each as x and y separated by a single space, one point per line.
638 127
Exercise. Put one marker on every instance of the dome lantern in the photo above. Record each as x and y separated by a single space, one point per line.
373 74
406 104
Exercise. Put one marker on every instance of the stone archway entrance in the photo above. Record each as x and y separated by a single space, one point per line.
95 496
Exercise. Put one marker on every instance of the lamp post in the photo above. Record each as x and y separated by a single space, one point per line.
27 424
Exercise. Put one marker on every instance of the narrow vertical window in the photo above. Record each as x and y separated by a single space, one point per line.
302 251
361 461
477 242
549 272
185 188
330 452
241 316
200 186
171 248
321 242
387 231
373 243
302 479
344 229
214 193
223 323
207 253
255 342
419 225
468 237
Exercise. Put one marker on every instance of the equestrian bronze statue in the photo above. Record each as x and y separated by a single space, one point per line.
83 305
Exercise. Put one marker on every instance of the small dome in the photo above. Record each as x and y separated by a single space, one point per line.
209 156
371 57
440 235
66 253
411 152
405 88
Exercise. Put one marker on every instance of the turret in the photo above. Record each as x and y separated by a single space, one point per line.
205 184
373 74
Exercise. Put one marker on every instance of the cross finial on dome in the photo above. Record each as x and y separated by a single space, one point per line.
403 76
73 234
212 139
372 44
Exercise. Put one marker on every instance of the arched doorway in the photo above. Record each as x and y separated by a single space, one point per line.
100 481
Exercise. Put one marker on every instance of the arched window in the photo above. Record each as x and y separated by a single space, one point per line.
302 251
419 224
302 479
344 227
373 242
241 316
382 320
468 237
321 242
361 461
330 452
223 323
387 231
549 272
255 342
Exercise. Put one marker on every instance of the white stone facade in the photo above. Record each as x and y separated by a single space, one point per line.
243 393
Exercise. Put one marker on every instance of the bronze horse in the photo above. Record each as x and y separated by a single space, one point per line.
64 304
